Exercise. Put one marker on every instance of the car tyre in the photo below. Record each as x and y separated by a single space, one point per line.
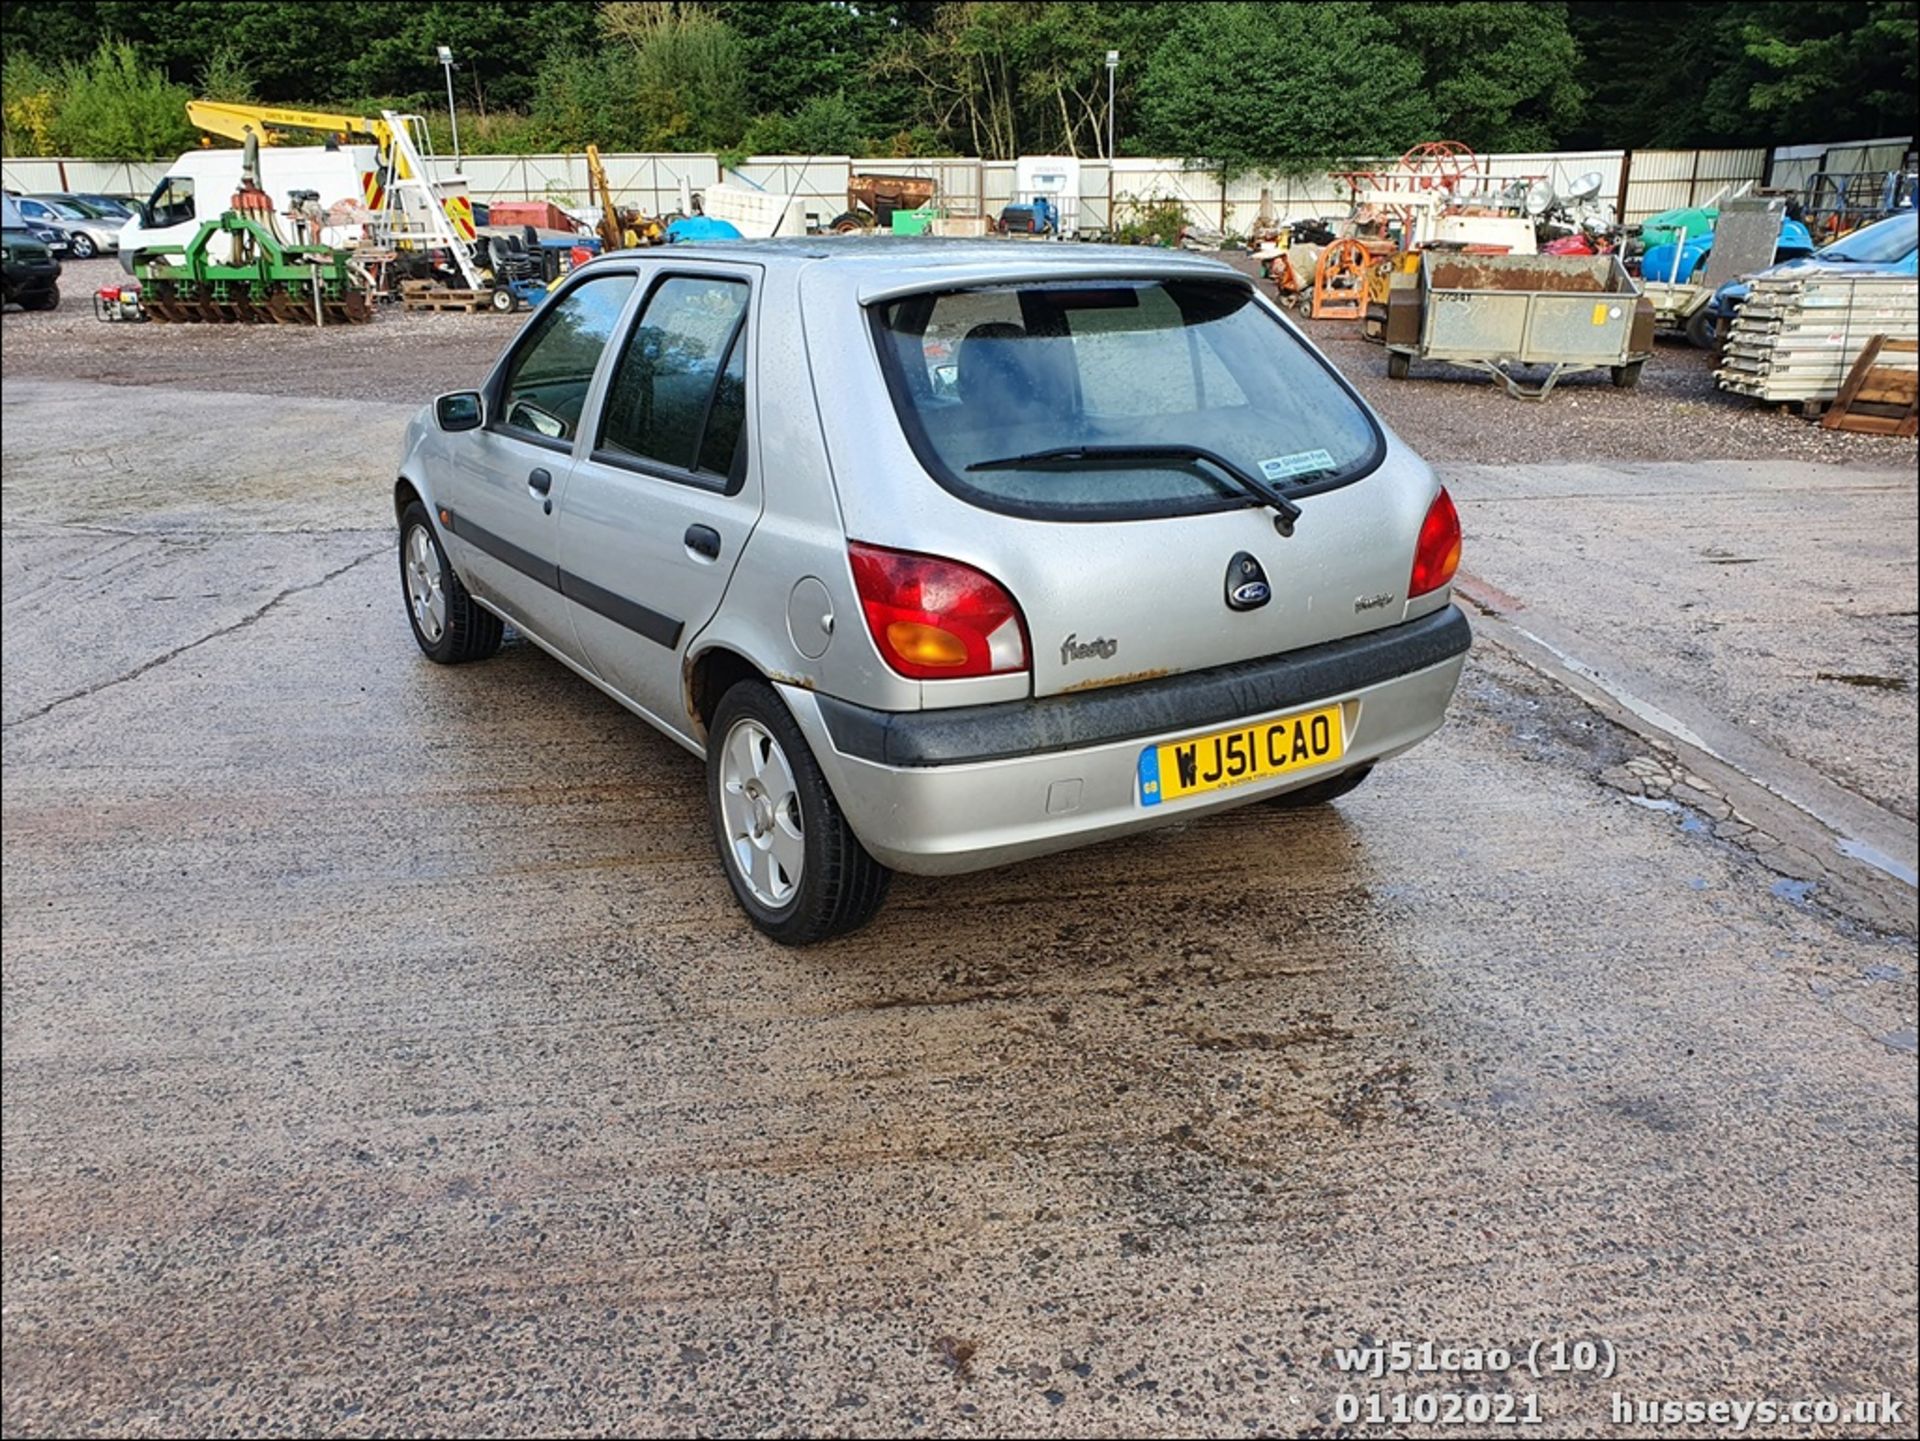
450 627
82 246
48 299
772 813
1320 792
1703 330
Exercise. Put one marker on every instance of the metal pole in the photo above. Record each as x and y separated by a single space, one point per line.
453 119
1113 64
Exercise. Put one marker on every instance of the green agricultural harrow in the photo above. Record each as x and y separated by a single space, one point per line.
253 277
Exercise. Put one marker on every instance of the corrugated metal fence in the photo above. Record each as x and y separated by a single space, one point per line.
1660 180
1794 166
1640 183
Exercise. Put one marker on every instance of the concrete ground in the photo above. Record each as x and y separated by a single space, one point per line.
383 1052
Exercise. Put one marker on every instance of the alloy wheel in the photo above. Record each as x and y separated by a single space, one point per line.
760 804
424 592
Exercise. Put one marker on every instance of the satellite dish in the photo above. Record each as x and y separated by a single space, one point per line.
1586 187
1540 198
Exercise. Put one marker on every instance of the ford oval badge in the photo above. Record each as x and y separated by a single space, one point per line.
1247 587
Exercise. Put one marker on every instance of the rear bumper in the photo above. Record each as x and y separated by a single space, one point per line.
940 792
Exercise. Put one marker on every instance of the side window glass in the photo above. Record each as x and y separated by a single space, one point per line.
679 394
546 383
729 414
172 202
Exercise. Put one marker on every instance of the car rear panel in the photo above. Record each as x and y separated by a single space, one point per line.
1111 602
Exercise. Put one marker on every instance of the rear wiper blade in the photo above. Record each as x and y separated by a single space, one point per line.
1285 512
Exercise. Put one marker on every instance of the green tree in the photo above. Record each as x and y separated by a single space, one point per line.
689 86
1005 79
1278 88
827 125
32 92
226 76
1501 76
581 96
1828 70
114 105
1745 73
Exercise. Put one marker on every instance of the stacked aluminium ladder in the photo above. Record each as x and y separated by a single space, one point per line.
1798 336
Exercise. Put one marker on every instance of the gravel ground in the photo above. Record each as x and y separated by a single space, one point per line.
1450 414
398 357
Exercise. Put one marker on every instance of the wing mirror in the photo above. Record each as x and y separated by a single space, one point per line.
463 410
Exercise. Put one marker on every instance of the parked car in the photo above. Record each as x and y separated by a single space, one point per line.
32 275
89 231
942 554
1886 247
54 237
113 207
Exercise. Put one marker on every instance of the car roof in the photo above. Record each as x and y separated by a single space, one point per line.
878 266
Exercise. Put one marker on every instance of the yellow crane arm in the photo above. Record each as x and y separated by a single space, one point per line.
610 234
271 123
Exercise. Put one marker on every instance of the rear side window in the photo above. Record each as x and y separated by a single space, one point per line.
678 397
982 378
546 382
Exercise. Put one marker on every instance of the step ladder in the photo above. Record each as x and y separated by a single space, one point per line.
414 215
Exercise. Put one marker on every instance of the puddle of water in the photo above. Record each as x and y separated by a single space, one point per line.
1692 822
1798 892
1907 1040
1883 972
1654 716
1878 859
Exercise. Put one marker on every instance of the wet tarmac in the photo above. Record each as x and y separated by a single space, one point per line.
384 1054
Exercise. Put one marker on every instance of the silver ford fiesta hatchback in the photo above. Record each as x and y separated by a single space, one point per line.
942 554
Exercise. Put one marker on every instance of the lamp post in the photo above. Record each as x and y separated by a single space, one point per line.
1113 64
446 63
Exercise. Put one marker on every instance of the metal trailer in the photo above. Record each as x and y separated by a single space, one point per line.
1493 312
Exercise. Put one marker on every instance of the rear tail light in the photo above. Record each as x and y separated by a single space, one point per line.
1437 556
937 619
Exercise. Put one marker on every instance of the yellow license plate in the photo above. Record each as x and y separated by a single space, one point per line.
1246 753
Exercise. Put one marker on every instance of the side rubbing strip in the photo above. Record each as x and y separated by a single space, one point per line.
660 629
503 550
641 620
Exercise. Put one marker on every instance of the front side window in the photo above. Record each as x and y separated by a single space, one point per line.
1029 398
678 397
172 202
545 387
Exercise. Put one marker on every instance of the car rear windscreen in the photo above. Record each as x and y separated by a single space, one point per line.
982 377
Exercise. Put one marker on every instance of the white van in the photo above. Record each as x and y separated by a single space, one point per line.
199 187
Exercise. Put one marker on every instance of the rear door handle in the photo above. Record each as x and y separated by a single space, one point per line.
703 540
540 481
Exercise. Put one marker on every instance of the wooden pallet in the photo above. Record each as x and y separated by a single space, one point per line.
1878 399
425 295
